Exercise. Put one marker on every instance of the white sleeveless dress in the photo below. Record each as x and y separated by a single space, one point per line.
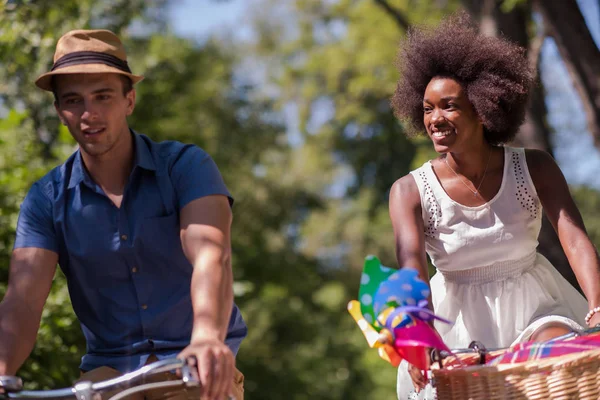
490 280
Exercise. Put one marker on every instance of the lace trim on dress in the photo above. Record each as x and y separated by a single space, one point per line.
524 193
433 211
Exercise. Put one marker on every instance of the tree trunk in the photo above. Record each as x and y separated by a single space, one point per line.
565 23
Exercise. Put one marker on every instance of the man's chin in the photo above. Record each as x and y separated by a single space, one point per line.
94 150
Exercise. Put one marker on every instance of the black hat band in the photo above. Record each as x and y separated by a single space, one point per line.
91 57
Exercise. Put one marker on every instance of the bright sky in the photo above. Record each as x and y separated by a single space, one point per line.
201 18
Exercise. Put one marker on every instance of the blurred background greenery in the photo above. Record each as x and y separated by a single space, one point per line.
292 101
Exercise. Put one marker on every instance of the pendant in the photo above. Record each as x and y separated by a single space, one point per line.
475 194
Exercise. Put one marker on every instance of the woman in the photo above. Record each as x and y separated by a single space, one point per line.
476 209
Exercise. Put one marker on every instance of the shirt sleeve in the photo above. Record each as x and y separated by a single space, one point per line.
35 227
195 175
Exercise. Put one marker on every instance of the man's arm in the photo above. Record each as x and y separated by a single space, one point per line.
205 237
30 279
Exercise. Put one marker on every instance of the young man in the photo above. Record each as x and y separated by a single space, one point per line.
140 229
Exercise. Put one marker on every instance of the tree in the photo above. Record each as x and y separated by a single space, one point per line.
331 63
296 346
297 343
27 41
310 202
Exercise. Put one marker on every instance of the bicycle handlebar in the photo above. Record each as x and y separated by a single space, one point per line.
87 390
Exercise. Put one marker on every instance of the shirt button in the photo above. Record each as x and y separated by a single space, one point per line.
144 306
134 270
123 237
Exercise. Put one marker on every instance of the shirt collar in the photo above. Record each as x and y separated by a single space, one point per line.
143 159
78 173
143 156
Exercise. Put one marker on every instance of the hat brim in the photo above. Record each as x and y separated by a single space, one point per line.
44 81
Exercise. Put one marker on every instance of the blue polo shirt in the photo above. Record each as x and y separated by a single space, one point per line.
128 277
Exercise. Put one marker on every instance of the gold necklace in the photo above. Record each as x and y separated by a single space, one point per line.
476 191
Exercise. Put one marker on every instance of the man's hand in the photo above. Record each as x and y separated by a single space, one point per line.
216 367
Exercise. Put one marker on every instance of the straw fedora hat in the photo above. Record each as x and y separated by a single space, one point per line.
88 52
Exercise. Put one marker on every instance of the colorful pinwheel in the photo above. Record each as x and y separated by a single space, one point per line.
392 313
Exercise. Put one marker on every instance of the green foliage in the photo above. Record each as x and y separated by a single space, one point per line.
294 347
56 356
31 143
310 202
189 94
508 5
28 35
588 202
333 62
294 236
337 70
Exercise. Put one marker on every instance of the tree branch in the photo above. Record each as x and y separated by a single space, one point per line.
394 13
535 50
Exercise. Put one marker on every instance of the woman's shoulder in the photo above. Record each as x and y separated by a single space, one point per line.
543 169
534 157
405 184
538 158
405 189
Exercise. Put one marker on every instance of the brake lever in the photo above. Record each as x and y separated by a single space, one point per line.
189 375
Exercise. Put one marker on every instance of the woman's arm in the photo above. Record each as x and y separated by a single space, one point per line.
553 192
407 221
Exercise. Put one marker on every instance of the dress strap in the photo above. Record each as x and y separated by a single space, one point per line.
431 210
524 189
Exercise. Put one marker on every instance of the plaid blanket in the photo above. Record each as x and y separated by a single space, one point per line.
529 351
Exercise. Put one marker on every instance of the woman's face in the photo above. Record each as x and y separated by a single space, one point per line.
449 117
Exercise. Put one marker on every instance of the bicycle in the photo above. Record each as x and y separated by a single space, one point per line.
86 390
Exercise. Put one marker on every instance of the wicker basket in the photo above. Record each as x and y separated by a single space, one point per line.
574 376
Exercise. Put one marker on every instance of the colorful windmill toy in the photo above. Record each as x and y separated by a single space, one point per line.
392 313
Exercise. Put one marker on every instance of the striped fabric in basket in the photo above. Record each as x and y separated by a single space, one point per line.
536 351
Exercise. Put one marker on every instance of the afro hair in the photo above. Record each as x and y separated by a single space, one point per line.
494 72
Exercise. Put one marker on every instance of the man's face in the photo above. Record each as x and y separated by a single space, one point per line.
95 109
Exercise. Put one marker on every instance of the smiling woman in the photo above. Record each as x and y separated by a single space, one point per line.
494 74
476 209
446 110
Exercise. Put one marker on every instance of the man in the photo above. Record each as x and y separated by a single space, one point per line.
140 229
